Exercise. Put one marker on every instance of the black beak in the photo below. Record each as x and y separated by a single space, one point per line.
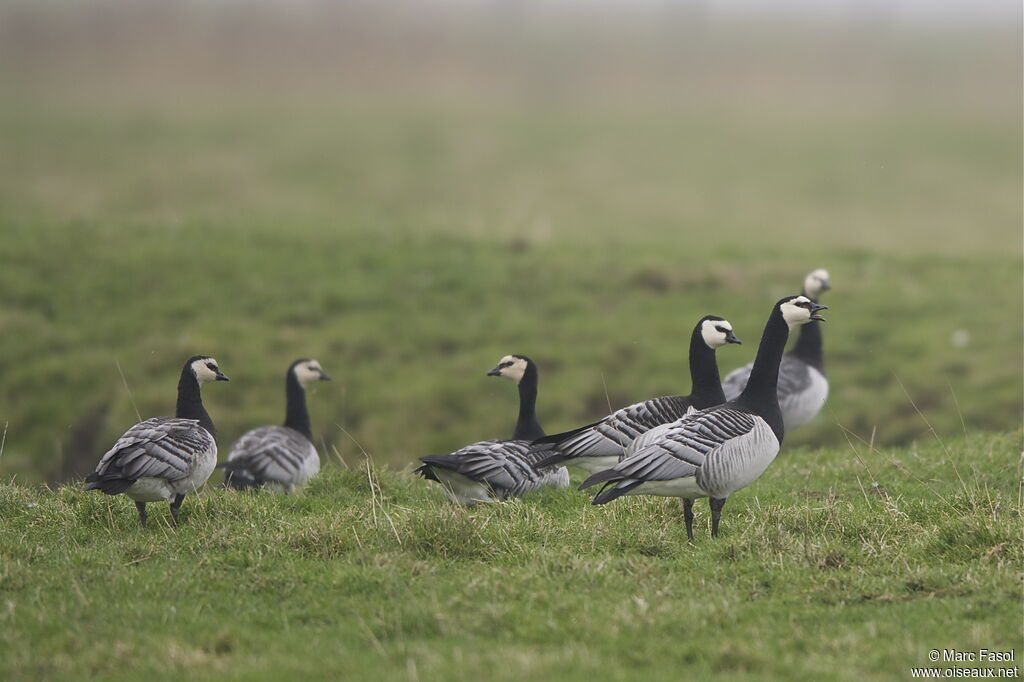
731 338
814 312
825 286
496 372
323 376
221 376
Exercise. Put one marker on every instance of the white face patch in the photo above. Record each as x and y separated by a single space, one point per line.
815 283
201 368
512 368
711 331
794 314
308 372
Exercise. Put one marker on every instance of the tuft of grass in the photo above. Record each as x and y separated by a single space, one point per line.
838 564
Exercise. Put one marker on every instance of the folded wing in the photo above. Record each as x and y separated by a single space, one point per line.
506 467
701 447
611 436
162 447
273 454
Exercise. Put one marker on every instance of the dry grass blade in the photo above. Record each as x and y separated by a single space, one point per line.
337 455
127 389
959 412
942 444
847 433
352 438
608 402
377 500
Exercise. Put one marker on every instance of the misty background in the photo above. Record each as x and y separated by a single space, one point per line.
409 190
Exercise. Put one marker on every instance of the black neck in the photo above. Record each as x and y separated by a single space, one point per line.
527 426
190 403
761 392
707 384
808 344
296 415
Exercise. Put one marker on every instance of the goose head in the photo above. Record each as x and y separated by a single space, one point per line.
798 310
816 283
204 369
307 371
717 331
511 367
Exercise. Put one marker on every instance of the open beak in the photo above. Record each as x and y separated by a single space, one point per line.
814 312
496 372
731 338
221 376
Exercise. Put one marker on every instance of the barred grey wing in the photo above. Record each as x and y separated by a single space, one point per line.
612 435
160 447
271 453
684 447
506 466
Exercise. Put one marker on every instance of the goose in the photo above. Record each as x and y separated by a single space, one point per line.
165 458
803 387
281 458
600 445
717 451
494 470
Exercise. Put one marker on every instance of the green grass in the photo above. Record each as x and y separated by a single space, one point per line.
408 198
408 238
408 329
843 563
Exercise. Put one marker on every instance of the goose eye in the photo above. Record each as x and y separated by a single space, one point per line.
722 329
211 366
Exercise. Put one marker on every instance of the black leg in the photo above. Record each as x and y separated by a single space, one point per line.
175 506
716 513
141 506
688 517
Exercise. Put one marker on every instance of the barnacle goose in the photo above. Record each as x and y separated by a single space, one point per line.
281 458
803 387
165 458
715 452
600 445
493 470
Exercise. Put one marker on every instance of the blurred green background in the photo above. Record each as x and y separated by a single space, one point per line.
408 191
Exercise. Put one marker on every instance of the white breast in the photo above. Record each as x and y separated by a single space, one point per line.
150 490
202 468
739 462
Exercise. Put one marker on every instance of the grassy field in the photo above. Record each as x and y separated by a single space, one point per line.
407 198
408 260
846 563
485 189
408 333
410 225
